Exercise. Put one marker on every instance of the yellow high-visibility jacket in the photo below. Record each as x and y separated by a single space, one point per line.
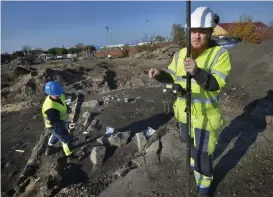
216 60
49 104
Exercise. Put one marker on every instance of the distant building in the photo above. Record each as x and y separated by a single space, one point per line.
112 46
224 28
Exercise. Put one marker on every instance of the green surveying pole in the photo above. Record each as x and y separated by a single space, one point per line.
188 97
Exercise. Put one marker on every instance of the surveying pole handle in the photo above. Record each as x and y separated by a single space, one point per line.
188 97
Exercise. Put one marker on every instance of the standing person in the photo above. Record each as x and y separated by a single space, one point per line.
55 115
209 67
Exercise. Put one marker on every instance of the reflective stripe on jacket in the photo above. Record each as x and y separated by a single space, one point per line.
49 104
216 60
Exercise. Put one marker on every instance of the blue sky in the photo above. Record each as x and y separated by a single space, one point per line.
51 24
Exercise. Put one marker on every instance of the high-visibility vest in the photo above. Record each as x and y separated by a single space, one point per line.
215 60
49 104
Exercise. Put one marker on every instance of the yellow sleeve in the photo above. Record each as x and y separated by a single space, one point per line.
221 69
173 65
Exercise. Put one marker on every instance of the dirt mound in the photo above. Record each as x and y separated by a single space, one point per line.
22 62
100 78
252 67
31 84
16 68
162 53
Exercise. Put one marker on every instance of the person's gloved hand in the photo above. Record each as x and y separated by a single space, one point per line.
67 101
71 125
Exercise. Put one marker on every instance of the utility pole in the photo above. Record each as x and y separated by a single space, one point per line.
149 21
107 29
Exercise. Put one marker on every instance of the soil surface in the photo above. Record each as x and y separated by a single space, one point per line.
118 93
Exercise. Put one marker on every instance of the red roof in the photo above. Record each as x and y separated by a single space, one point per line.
259 25
265 34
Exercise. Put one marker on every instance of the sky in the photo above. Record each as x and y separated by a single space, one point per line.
53 24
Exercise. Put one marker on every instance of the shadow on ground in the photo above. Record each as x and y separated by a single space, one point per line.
74 175
154 122
245 128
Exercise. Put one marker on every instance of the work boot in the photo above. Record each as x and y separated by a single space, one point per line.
49 150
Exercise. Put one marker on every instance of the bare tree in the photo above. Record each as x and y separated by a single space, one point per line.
159 38
178 34
26 49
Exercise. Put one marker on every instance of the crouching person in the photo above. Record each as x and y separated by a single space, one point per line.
55 115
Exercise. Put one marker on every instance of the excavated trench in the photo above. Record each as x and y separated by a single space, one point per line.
78 83
96 178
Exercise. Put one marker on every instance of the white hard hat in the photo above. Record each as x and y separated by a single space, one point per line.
203 17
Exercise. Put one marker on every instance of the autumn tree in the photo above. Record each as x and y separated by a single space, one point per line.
245 29
125 50
178 35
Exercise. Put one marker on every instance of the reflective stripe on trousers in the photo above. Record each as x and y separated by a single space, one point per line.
202 182
200 160
66 149
52 140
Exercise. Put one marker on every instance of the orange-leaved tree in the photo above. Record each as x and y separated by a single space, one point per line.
245 29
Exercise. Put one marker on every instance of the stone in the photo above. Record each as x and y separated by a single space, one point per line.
269 119
73 110
140 140
117 139
86 114
91 104
55 179
89 129
126 168
107 102
122 172
94 122
106 99
97 155
126 100
35 117
139 161
86 122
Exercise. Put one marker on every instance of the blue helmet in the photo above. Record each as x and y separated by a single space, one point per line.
53 88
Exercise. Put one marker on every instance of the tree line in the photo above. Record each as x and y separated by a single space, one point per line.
88 50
